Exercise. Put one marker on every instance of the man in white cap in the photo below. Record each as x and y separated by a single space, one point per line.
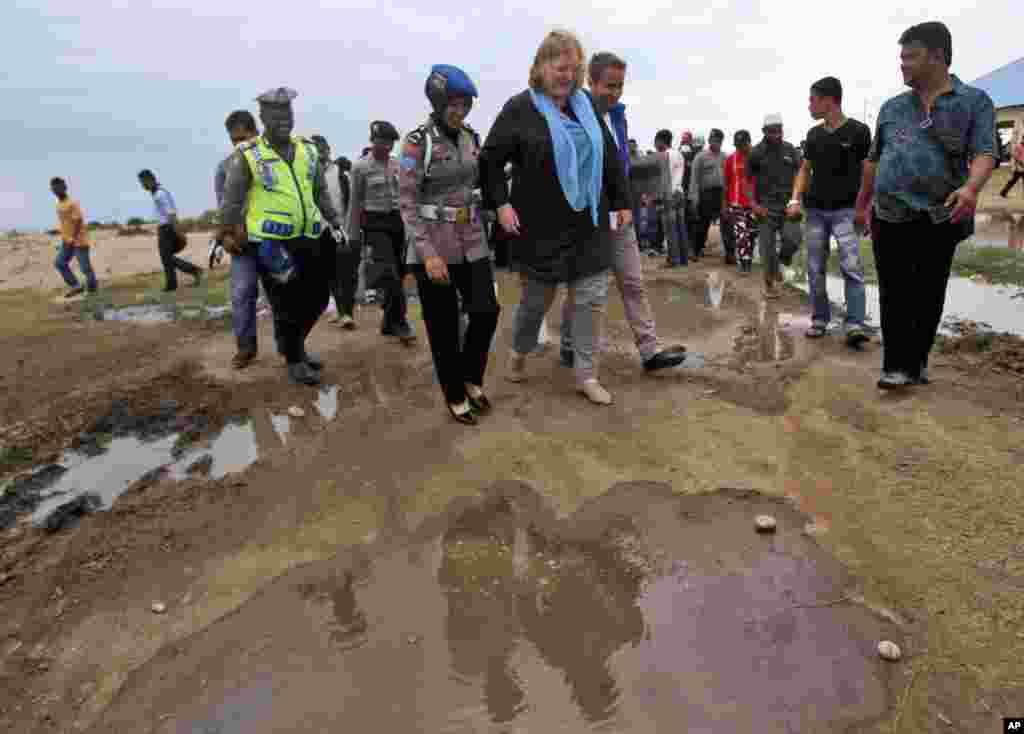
772 167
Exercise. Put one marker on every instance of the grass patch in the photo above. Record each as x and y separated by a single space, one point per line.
998 265
16 455
32 312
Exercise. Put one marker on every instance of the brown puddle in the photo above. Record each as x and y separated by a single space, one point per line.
644 611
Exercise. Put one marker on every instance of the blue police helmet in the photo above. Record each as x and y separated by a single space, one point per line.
446 81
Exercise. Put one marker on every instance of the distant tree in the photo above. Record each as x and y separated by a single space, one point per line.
135 222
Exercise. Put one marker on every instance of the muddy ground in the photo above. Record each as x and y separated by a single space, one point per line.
561 567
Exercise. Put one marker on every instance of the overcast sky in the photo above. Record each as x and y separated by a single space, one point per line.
93 91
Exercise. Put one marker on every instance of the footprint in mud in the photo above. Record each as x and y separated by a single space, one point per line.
643 609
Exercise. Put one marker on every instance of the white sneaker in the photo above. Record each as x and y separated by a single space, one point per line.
595 392
894 380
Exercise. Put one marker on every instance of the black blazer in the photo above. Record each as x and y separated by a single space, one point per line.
555 244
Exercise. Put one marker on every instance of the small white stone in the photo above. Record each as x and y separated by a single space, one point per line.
765 523
945 719
158 607
889 650
296 412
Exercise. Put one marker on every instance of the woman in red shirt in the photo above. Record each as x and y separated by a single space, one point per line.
737 201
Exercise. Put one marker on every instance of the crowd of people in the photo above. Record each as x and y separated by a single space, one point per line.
572 202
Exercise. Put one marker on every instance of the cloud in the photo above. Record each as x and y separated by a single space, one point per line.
96 89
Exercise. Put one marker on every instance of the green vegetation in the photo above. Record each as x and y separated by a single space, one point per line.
203 223
998 265
16 455
135 222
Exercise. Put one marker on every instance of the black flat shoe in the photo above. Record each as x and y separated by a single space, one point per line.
480 405
663 360
466 419
301 374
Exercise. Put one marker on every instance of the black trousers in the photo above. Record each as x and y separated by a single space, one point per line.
166 243
343 277
455 365
709 208
385 236
913 261
1017 176
300 302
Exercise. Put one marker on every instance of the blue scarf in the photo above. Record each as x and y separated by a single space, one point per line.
579 193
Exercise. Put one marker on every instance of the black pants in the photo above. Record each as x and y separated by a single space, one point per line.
1017 176
300 302
728 236
385 236
455 365
499 242
166 243
913 261
343 276
709 208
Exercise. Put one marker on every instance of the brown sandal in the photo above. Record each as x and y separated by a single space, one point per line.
242 360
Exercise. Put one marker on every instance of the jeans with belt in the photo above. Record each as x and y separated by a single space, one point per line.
62 263
822 225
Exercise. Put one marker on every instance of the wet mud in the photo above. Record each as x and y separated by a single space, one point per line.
643 611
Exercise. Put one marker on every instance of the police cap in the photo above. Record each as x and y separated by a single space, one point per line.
383 130
278 96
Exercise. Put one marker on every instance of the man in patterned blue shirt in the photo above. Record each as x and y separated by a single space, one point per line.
933 152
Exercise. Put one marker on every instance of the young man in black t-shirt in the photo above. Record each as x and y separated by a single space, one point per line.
826 189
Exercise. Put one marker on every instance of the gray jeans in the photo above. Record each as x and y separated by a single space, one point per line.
776 224
589 295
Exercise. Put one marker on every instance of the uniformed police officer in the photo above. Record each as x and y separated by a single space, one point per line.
374 218
275 197
449 254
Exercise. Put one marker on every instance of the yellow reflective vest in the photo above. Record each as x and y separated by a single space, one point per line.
282 201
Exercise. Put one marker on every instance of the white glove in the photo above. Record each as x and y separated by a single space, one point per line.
338 235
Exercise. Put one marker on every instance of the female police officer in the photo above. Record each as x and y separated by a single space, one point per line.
449 254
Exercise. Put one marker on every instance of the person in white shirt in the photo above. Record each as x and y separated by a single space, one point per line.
673 199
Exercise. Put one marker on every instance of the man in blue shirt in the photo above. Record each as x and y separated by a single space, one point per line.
933 152
245 266
168 235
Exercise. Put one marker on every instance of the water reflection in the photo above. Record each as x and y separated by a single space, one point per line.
644 611
575 602
765 339
326 402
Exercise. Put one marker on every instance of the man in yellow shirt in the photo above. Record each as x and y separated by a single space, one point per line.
74 240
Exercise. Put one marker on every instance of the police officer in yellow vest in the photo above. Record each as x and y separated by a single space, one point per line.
275 201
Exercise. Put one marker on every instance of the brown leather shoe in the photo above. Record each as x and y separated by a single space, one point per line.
241 360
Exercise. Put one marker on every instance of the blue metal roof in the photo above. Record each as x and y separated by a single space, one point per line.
1005 85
